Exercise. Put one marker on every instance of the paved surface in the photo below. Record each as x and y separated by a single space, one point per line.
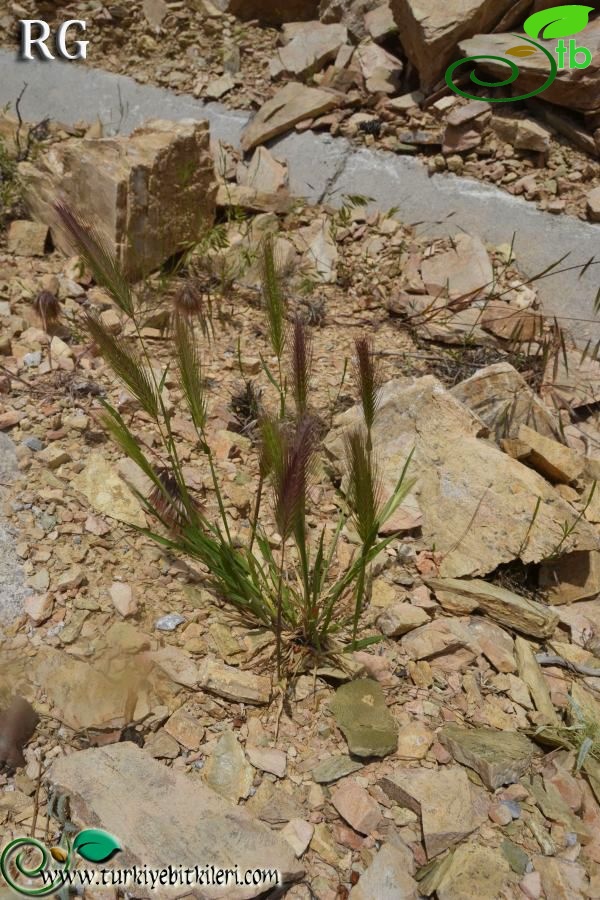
12 586
322 167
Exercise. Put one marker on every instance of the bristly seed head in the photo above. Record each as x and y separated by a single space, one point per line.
168 502
370 380
47 308
301 366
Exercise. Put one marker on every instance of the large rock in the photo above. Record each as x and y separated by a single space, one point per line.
107 493
443 800
389 877
360 710
309 49
475 873
430 32
478 504
510 609
168 818
149 194
462 271
290 105
498 757
577 89
271 12
501 397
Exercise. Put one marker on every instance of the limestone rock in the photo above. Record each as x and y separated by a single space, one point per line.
478 504
290 105
161 745
82 696
531 673
524 134
168 816
122 598
498 757
185 728
593 205
576 89
227 771
500 396
475 872
571 380
551 459
573 577
334 768
561 879
309 50
380 70
441 797
233 684
509 323
388 877
298 833
177 665
380 23
356 806
400 618
265 174
107 493
465 126
267 759
430 34
361 712
39 607
319 250
26 238
459 272
149 194
525 615
414 741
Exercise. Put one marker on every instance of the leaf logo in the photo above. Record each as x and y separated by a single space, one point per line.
95 845
562 21
521 50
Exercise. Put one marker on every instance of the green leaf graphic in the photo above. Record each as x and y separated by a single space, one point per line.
95 845
559 22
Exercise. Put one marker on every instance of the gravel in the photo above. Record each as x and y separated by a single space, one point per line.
12 579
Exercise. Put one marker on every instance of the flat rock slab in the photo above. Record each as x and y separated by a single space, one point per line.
168 818
360 710
501 397
290 105
574 88
478 504
498 757
467 595
443 800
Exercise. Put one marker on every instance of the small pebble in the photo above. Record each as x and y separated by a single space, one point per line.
169 622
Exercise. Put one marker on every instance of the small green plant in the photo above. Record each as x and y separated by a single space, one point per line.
291 585
10 191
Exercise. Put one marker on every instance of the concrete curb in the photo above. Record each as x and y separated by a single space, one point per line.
326 168
12 579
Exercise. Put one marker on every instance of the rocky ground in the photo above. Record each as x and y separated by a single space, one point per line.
459 756
381 90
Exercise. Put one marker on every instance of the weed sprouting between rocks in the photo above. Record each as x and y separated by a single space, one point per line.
294 586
